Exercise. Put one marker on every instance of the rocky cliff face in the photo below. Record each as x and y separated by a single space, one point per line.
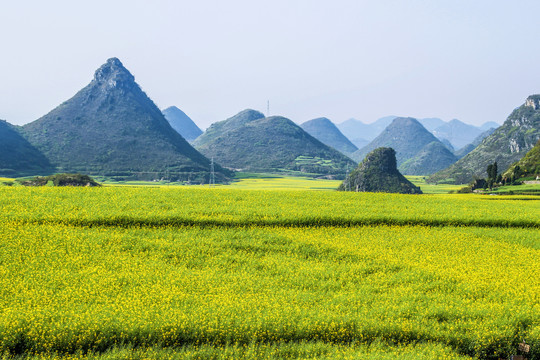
378 173
509 143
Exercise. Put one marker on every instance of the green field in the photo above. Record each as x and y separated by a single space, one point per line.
254 181
220 273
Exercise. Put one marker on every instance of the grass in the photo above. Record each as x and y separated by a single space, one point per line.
525 189
432 188
191 272
269 181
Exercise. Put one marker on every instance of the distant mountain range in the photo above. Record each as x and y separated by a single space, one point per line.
112 128
325 131
455 132
251 142
182 123
360 133
507 144
470 147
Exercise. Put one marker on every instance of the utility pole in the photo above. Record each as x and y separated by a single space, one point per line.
347 180
212 174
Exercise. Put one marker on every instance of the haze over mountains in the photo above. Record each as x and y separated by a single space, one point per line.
182 123
249 141
328 133
112 128
457 133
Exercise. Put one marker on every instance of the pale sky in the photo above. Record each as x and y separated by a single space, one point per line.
471 60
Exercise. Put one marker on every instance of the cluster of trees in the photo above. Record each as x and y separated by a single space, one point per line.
494 179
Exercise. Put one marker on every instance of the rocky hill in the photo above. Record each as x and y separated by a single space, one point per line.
17 156
251 142
112 128
430 159
529 165
182 123
378 173
325 131
508 144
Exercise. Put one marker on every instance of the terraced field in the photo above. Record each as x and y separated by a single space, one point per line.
200 273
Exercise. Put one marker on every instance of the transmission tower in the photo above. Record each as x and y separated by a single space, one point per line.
268 108
212 173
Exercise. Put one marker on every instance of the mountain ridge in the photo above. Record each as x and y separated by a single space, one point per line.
112 128
182 123
506 145
328 133
250 142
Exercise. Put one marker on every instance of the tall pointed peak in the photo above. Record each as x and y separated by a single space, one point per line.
113 73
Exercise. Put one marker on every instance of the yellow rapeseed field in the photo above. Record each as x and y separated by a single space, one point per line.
184 273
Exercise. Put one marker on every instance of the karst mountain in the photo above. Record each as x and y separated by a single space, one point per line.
249 141
112 128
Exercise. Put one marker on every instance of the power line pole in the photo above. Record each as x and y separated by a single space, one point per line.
347 180
212 174
268 108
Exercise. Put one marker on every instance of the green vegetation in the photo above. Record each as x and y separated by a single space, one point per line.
60 180
378 173
428 188
17 156
247 142
508 143
111 128
433 157
219 273
529 165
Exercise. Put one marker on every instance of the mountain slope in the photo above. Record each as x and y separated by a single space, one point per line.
405 135
431 123
361 134
269 144
432 158
325 131
378 173
112 128
508 143
220 128
470 147
488 125
529 164
182 123
17 156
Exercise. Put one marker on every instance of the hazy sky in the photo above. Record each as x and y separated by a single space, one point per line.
471 60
